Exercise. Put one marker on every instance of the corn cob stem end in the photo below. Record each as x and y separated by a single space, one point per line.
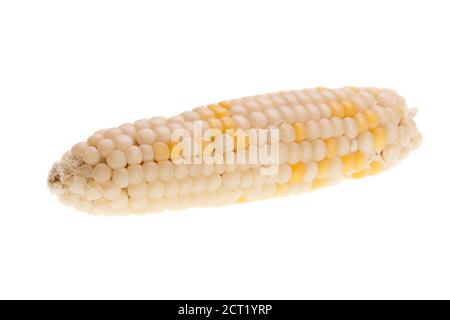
61 171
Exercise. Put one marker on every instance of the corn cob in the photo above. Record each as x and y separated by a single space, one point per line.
237 151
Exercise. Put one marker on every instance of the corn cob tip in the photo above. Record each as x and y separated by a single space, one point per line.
61 171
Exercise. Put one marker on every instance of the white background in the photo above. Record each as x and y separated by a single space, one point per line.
68 68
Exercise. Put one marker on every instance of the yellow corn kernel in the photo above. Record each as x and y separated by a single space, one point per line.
241 200
215 123
360 174
379 138
205 143
281 189
337 109
226 104
360 161
323 168
176 151
318 183
376 167
298 172
349 108
218 110
300 131
331 147
241 140
372 118
228 123
172 144
361 122
348 163
161 151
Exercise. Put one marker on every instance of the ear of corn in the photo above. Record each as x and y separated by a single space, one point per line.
322 136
